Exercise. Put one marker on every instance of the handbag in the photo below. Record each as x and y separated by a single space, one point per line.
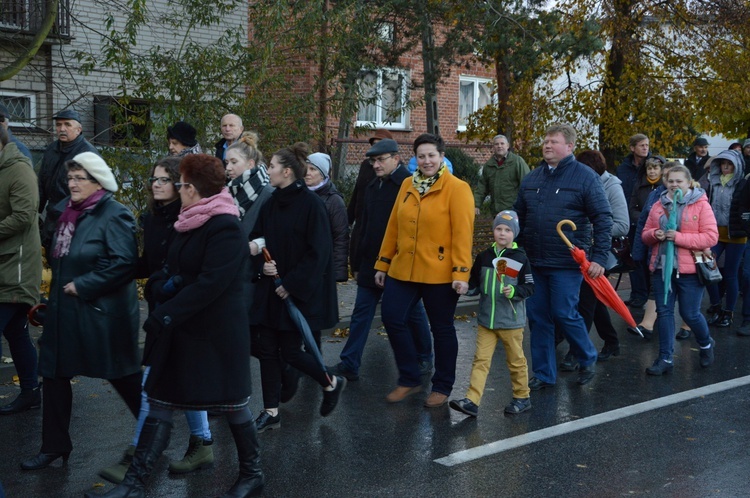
705 267
621 250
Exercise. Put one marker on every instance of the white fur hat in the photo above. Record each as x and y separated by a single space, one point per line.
96 167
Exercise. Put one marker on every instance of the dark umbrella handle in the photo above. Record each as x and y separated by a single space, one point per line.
36 314
268 257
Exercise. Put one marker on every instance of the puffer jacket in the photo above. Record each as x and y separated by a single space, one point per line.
337 217
727 200
570 191
697 228
495 310
20 249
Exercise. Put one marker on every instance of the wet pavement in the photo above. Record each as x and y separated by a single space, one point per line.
647 444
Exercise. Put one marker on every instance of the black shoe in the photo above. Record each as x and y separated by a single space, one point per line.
636 303
251 480
586 374
465 405
644 332
341 370
518 405
707 354
660 367
266 421
43 460
608 351
289 382
569 363
536 384
726 320
26 400
744 330
682 334
331 398
713 314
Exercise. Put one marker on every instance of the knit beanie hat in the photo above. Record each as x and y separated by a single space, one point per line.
183 133
322 162
508 218
746 144
96 167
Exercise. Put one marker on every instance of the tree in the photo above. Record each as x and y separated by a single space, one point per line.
28 53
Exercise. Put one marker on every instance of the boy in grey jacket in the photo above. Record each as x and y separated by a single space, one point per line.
502 278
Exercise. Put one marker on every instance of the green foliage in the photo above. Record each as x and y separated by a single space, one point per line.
464 166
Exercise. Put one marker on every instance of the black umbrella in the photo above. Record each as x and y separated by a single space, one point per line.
300 322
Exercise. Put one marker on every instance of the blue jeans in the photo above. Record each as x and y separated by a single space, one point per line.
15 326
688 291
197 421
399 300
555 302
361 322
732 260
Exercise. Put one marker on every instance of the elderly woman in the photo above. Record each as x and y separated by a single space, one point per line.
197 341
181 139
293 224
426 254
696 232
729 200
91 323
158 234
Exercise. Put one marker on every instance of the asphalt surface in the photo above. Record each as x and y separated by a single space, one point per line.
632 438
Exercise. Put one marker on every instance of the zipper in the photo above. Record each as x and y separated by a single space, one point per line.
20 261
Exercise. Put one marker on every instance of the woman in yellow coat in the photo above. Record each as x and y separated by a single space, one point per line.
426 254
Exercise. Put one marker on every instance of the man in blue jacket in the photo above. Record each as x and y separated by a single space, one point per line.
561 188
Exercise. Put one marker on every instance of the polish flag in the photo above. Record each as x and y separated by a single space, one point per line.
506 266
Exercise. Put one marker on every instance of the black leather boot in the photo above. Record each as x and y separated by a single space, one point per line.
153 441
250 481
26 400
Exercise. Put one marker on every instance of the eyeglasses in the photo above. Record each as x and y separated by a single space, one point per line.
161 180
79 179
375 160
179 185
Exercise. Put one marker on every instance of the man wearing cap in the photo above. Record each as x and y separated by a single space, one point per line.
53 184
379 195
500 178
231 131
181 139
698 159
4 122
746 153
357 203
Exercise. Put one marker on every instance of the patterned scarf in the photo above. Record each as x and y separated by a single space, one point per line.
246 188
66 225
422 183
195 215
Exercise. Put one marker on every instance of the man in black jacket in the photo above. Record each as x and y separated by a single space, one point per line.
380 194
697 160
231 131
53 183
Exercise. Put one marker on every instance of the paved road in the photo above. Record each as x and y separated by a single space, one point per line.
695 446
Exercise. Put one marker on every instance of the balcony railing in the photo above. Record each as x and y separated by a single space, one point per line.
26 16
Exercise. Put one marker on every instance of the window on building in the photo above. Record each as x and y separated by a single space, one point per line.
383 99
21 107
473 94
121 121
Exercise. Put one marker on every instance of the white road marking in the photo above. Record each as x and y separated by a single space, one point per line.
496 447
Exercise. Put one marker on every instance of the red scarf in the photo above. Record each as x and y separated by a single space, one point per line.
195 215
66 225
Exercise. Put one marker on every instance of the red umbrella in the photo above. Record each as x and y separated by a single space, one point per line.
602 288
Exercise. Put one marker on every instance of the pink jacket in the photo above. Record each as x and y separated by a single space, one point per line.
697 231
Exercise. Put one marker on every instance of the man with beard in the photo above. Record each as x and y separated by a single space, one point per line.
53 183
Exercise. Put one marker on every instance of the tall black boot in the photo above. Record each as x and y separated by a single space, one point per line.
250 481
153 441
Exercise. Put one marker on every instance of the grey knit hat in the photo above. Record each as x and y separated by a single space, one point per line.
509 218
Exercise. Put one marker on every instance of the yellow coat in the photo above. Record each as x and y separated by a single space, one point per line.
429 239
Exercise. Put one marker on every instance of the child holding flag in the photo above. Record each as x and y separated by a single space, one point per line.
502 278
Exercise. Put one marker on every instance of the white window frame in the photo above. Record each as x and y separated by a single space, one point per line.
476 80
32 107
379 122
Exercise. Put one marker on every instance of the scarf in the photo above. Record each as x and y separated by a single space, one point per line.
195 215
66 225
422 184
319 186
724 179
653 182
247 187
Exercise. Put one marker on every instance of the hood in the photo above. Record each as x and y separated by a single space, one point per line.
731 155
609 180
692 196
11 155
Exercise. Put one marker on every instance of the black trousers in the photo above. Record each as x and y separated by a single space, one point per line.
594 312
275 345
57 405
